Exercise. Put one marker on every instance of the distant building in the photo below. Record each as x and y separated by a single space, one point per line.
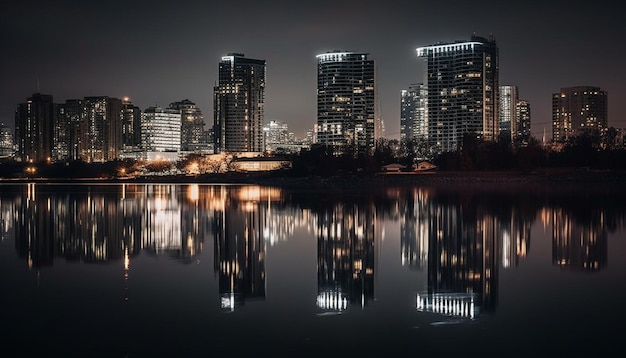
346 101
463 89
509 95
578 110
131 126
239 104
100 135
278 138
192 126
160 133
7 147
310 137
413 113
34 123
522 135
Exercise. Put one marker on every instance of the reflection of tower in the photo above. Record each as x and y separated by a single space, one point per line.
515 238
462 261
9 202
240 249
32 239
194 225
162 226
577 246
346 257
414 230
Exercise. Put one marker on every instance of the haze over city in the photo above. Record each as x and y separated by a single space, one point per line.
158 53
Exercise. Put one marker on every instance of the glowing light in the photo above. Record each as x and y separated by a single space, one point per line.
193 192
451 304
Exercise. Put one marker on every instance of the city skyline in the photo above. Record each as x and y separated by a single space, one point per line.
159 54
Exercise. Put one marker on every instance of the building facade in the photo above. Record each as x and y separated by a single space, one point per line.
462 78
160 133
131 126
239 101
522 135
346 101
7 149
192 126
100 137
34 124
578 110
509 95
413 113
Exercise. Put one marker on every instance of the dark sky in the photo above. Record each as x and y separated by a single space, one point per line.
159 52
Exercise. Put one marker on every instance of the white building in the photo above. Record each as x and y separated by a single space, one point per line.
160 133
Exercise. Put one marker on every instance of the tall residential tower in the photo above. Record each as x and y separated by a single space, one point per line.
346 101
462 81
34 123
238 104
578 110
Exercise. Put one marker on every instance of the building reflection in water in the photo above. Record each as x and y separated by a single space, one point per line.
461 237
466 240
414 229
345 256
579 245
462 257
240 247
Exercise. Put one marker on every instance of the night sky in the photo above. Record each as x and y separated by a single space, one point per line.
161 52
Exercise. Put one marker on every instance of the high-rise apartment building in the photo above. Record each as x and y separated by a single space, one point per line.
192 127
67 131
413 113
34 123
131 126
346 101
239 99
462 78
509 95
160 133
522 136
578 110
101 129
514 117
7 149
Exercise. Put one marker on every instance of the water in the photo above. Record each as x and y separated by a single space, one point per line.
140 270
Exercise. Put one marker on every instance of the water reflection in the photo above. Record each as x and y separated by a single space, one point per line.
461 237
346 255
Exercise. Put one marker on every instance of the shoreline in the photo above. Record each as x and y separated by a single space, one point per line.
352 181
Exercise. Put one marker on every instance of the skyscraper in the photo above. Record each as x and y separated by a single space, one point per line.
239 104
101 129
413 115
67 120
523 128
34 122
578 110
509 95
192 126
346 101
131 126
462 81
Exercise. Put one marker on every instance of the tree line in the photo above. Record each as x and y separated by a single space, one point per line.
587 150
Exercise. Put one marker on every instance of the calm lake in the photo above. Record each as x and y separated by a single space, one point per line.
193 270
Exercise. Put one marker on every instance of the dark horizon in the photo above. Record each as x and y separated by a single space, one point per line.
160 53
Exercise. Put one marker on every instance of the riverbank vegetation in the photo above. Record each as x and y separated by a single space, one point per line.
585 153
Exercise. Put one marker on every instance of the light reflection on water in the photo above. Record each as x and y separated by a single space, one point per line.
317 269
